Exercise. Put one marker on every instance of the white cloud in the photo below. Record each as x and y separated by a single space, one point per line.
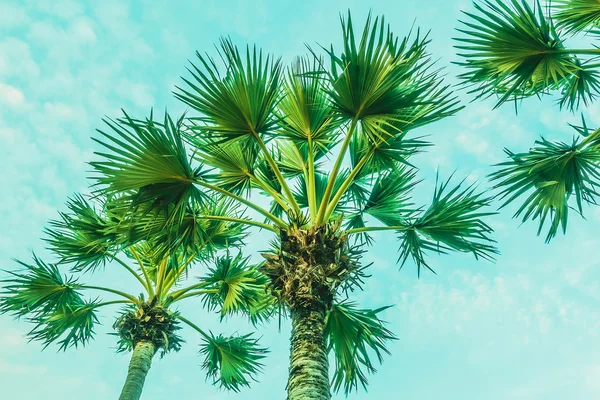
58 110
83 31
12 16
14 49
475 144
137 93
10 95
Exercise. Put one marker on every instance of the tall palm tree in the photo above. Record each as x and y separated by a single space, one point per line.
514 50
317 156
158 254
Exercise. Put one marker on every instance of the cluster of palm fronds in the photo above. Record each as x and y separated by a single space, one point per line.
516 50
180 190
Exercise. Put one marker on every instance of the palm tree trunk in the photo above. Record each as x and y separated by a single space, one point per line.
309 367
140 363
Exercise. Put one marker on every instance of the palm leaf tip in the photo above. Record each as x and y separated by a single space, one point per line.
452 222
549 175
512 50
232 362
354 335
576 15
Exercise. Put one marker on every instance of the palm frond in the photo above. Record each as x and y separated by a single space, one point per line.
149 159
512 50
239 286
83 237
582 86
453 221
391 153
290 159
202 229
352 334
73 324
239 103
234 163
232 362
305 110
576 15
38 290
383 82
549 174
388 201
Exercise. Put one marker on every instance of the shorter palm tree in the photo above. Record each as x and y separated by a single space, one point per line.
88 237
515 51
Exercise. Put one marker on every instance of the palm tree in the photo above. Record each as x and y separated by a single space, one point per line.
157 253
516 51
263 139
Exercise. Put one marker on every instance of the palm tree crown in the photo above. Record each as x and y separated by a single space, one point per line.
318 154
158 255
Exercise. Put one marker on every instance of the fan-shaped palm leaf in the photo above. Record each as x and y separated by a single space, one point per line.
550 173
381 80
576 15
39 289
232 361
240 102
352 334
83 236
582 86
73 323
512 50
148 158
234 286
451 222
305 110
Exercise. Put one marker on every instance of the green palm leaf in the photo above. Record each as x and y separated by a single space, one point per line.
83 236
353 334
383 82
231 362
239 103
73 323
576 15
149 159
238 288
305 111
550 173
203 229
451 222
512 50
235 163
582 86
389 199
389 154
39 289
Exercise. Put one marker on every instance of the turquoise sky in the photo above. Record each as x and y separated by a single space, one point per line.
526 327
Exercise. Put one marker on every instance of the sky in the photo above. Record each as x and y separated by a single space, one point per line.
525 327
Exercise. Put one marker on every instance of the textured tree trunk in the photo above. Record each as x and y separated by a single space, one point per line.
140 363
309 367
